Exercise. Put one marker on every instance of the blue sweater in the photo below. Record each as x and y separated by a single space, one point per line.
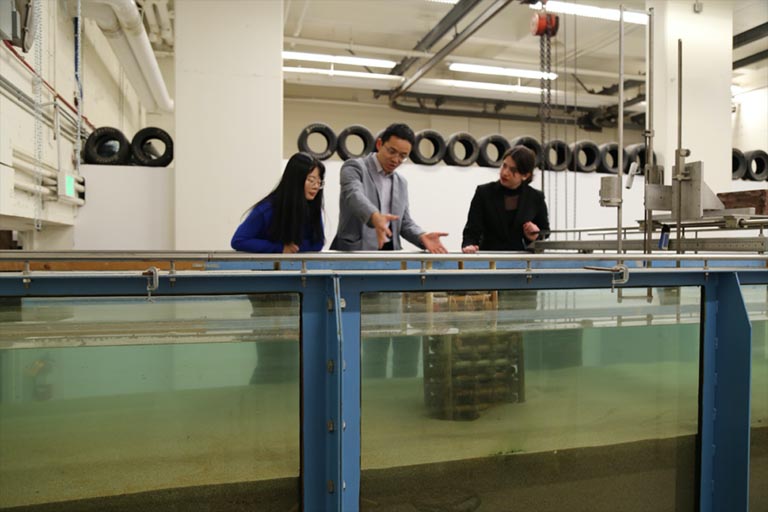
252 234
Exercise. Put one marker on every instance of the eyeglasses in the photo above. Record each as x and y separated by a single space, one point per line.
314 182
394 153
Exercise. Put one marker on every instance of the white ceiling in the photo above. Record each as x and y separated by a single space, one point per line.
389 28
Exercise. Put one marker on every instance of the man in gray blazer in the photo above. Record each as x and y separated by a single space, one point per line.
373 204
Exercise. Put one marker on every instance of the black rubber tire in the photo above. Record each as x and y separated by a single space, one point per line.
636 152
562 155
94 149
757 165
324 130
471 149
738 164
611 150
500 143
369 143
438 145
142 155
591 156
531 143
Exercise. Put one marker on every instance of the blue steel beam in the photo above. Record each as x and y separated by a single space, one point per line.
725 397
319 398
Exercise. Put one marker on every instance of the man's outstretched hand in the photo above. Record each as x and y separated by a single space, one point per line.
432 243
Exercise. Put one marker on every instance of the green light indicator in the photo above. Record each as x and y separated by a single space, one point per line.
69 186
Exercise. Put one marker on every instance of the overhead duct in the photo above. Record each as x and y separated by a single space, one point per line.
121 23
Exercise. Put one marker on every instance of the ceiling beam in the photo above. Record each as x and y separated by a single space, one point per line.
746 61
443 26
462 36
751 35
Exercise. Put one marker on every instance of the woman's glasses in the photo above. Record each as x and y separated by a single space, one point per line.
314 182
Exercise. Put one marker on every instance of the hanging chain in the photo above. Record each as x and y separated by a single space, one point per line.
37 85
79 84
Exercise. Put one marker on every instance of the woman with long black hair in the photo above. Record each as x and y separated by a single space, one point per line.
289 219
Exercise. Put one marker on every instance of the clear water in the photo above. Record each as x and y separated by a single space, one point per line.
109 396
129 396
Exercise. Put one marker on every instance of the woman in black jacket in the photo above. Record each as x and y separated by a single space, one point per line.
507 214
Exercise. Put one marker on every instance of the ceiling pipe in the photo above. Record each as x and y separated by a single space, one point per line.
121 23
462 36
442 27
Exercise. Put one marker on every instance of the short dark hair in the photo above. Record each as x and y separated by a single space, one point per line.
525 161
399 130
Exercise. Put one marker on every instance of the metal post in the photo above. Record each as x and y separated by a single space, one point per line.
619 175
680 153
649 135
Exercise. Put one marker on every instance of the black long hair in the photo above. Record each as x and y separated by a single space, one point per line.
292 213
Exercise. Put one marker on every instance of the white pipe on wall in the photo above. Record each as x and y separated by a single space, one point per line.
125 31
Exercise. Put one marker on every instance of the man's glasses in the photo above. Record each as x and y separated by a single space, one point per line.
394 153
314 182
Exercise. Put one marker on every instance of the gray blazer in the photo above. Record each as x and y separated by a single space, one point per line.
359 199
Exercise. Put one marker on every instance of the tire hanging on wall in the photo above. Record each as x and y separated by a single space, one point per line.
531 143
497 141
738 164
591 156
106 146
562 155
145 154
324 130
471 149
757 165
609 158
365 135
636 153
438 148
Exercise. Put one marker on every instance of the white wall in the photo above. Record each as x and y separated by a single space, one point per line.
750 121
228 115
129 208
707 39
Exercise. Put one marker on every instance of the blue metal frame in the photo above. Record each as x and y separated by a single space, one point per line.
725 396
330 326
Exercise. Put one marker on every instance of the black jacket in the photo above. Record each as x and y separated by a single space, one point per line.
487 220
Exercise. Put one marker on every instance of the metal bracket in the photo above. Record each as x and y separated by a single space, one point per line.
342 303
26 280
153 281
621 273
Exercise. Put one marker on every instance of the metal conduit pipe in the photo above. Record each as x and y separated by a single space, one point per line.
121 23
45 169
26 102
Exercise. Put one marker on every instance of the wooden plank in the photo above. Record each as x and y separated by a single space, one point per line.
83 266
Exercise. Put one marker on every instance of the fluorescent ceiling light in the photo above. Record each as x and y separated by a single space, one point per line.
337 72
484 86
494 70
591 11
339 59
452 2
